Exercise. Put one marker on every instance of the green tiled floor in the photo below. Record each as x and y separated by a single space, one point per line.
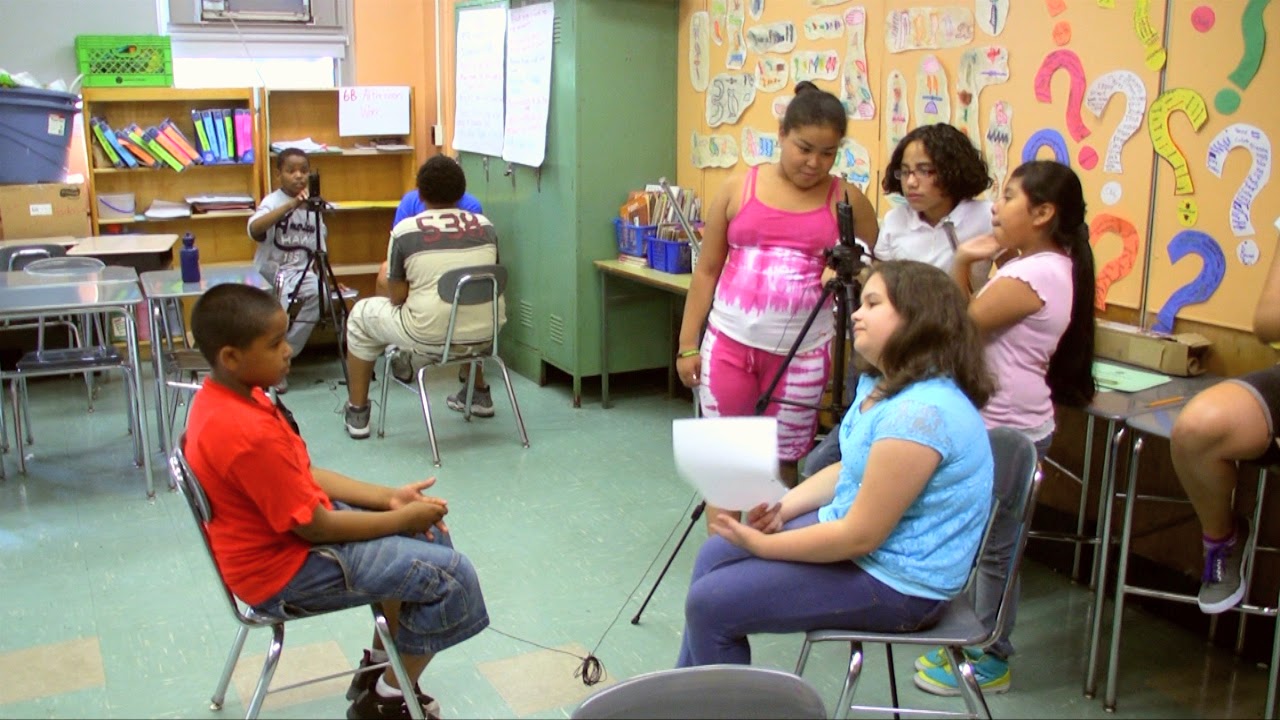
560 533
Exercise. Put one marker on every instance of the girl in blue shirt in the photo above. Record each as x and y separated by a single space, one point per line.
883 539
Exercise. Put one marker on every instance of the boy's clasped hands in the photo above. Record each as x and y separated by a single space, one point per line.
421 512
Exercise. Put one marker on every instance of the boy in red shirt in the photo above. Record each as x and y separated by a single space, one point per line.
291 539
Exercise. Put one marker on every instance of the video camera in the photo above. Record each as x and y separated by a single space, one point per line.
846 257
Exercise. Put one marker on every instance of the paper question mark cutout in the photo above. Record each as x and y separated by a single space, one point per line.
1227 101
1122 265
1202 286
1255 141
1050 138
1101 90
1190 103
1070 62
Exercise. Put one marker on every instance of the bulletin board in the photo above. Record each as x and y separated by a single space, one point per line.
1082 77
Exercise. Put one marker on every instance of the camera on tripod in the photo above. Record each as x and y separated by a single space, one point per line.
846 257
313 185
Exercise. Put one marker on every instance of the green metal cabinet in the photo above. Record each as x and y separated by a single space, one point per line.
611 129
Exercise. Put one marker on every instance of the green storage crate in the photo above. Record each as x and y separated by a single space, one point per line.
125 60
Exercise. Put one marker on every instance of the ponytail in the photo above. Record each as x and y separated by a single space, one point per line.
1070 375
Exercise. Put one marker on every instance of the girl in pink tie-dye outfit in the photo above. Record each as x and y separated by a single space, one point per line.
760 273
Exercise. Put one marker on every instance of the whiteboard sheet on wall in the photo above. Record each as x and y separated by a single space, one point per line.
373 110
478 112
529 41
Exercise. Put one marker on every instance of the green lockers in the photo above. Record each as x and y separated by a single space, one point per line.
611 129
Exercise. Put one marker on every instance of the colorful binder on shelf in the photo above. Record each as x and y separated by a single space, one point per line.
144 157
171 131
217 140
203 141
229 132
113 155
155 134
244 135
151 141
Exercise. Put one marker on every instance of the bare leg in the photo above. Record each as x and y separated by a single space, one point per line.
463 370
413 664
359 374
1218 427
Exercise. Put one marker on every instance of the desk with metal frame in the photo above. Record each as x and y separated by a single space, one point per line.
674 284
63 296
1160 424
164 290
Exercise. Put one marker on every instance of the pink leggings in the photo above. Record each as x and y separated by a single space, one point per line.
734 376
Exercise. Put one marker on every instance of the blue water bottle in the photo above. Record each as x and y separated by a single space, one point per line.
189 258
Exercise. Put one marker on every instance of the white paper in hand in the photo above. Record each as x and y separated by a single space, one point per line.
732 462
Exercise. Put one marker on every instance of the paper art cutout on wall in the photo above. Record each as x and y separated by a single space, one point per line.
1046 138
760 147
1190 103
897 116
736 58
1247 252
1101 90
821 27
933 100
755 8
853 163
1227 101
998 138
815 65
729 97
1148 34
1111 192
1202 286
979 67
1119 267
1069 62
826 3
772 73
779 106
855 87
928 28
700 50
714 151
991 15
779 37
719 15
1254 140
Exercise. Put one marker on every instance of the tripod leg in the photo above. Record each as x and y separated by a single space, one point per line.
763 403
693 520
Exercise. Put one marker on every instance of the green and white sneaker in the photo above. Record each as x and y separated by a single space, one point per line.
938 658
993 676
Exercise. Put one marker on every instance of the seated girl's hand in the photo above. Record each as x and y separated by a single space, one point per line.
766 519
744 536
983 247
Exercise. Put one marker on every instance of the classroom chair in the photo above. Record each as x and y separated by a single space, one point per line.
709 691
476 285
185 480
1016 471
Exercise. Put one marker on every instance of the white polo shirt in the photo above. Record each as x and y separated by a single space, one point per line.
904 235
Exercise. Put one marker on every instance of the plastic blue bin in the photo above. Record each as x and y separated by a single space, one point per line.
634 239
670 256
35 135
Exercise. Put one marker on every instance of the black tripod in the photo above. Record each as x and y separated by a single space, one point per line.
846 259
333 305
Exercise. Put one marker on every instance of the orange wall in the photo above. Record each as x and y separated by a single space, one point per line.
394 44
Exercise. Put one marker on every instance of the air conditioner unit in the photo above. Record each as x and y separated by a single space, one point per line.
278 11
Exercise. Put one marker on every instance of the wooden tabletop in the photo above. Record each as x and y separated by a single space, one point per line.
678 284
124 244
65 241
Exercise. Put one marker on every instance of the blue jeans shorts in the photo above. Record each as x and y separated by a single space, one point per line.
439 591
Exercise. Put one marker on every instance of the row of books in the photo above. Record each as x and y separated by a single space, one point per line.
222 136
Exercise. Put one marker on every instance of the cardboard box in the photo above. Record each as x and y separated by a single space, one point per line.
44 210
1182 354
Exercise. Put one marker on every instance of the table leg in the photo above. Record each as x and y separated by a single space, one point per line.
604 340
1102 551
1084 503
159 332
1126 533
139 398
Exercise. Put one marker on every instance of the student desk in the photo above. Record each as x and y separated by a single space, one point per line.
142 252
1115 408
677 285
65 241
1159 423
164 291
79 294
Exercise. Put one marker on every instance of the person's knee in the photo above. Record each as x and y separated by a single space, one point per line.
1200 426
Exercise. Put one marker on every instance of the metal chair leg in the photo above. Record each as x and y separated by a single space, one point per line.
407 685
515 406
220 692
386 386
15 388
850 680
426 415
26 412
968 683
268 671
804 656
893 682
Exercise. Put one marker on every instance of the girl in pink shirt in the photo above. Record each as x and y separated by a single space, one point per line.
760 272
1036 315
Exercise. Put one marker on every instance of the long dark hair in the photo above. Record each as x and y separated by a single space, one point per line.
962 173
1070 376
814 106
936 336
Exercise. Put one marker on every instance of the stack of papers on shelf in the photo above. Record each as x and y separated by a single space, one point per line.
166 209
213 202
306 145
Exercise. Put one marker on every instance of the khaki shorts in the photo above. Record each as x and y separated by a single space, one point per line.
375 323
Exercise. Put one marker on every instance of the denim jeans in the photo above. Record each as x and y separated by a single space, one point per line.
734 594
439 590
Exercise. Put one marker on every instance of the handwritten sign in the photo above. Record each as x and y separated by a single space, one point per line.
373 110
481 52
529 40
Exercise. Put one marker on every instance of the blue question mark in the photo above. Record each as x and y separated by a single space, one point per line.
1202 286
1051 139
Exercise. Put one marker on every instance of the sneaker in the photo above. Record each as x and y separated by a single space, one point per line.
938 658
481 402
369 705
401 363
993 677
362 681
1220 585
357 421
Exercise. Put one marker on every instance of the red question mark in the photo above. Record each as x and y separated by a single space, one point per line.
1070 62
1122 265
